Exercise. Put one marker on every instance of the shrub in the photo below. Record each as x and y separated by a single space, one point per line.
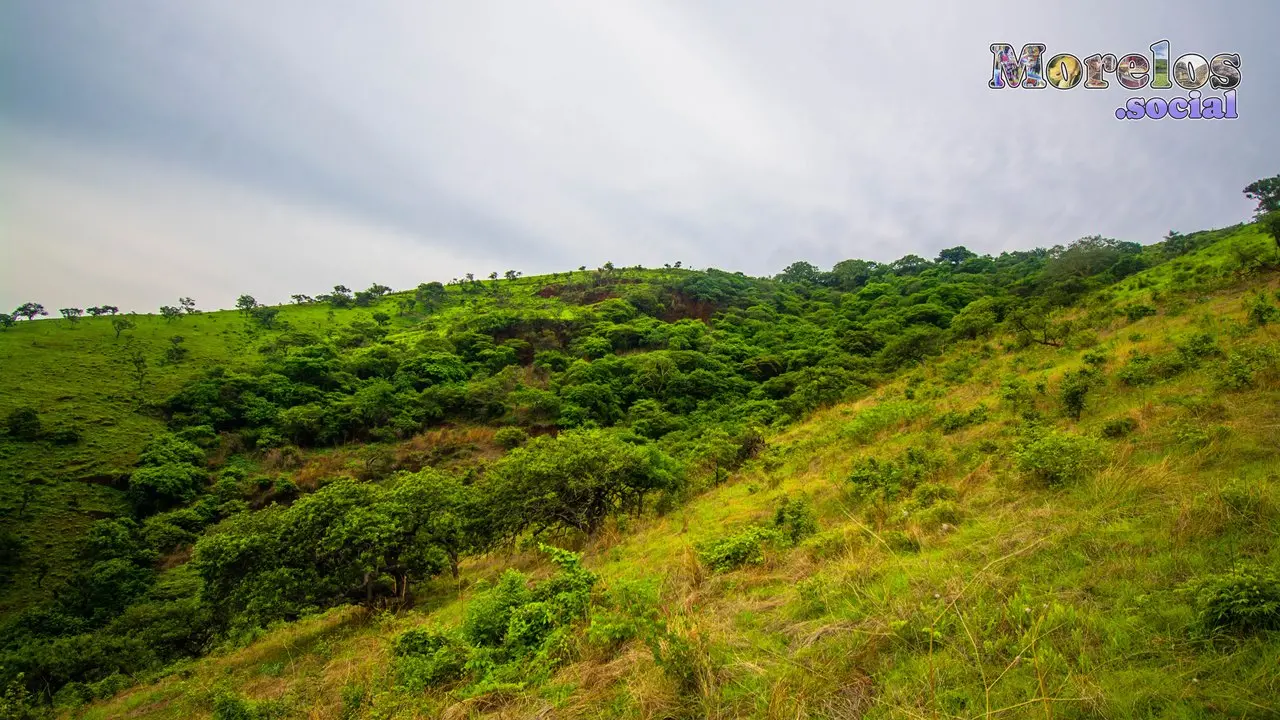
1095 358
1242 600
1260 310
1197 347
952 421
630 610
735 551
66 434
1055 457
510 437
426 658
899 541
1144 369
487 616
1118 427
1243 367
1075 388
943 512
1137 311
887 480
926 494
795 519
23 423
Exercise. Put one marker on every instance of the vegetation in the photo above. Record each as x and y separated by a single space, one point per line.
974 485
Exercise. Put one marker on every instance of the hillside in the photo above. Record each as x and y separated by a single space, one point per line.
1036 485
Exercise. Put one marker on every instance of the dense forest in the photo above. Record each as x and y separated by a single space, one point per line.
186 483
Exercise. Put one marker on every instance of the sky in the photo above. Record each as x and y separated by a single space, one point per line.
153 149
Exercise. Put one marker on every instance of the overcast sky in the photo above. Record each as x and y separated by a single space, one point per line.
153 149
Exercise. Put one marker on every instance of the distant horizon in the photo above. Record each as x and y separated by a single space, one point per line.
408 289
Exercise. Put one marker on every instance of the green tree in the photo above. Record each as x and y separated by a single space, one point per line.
246 304
265 315
30 310
72 314
6 321
1266 193
956 255
120 324
136 357
575 480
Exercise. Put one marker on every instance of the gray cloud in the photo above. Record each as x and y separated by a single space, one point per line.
210 148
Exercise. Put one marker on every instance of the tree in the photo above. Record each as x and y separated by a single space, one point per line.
95 311
188 305
1034 326
381 318
170 312
265 315
6 321
104 310
30 310
176 352
799 272
300 299
246 304
1267 214
378 290
512 274
120 324
956 255
72 314
575 480
136 357
1075 388
430 295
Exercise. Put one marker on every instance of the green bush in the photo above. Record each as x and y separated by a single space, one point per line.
510 437
1118 427
1242 600
69 434
1075 388
795 519
952 420
629 610
489 613
1260 311
1146 369
23 423
426 658
1244 366
899 541
889 479
1054 457
1137 311
735 551
926 494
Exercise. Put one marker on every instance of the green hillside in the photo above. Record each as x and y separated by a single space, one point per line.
1041 484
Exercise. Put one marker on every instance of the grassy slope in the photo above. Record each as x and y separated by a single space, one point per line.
77 374
1042 602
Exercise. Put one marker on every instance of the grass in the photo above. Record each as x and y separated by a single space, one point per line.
1027 601
1013 599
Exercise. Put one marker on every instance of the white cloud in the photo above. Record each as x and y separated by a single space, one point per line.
106 228
543 135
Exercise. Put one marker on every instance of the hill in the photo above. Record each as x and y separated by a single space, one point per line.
1036 484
